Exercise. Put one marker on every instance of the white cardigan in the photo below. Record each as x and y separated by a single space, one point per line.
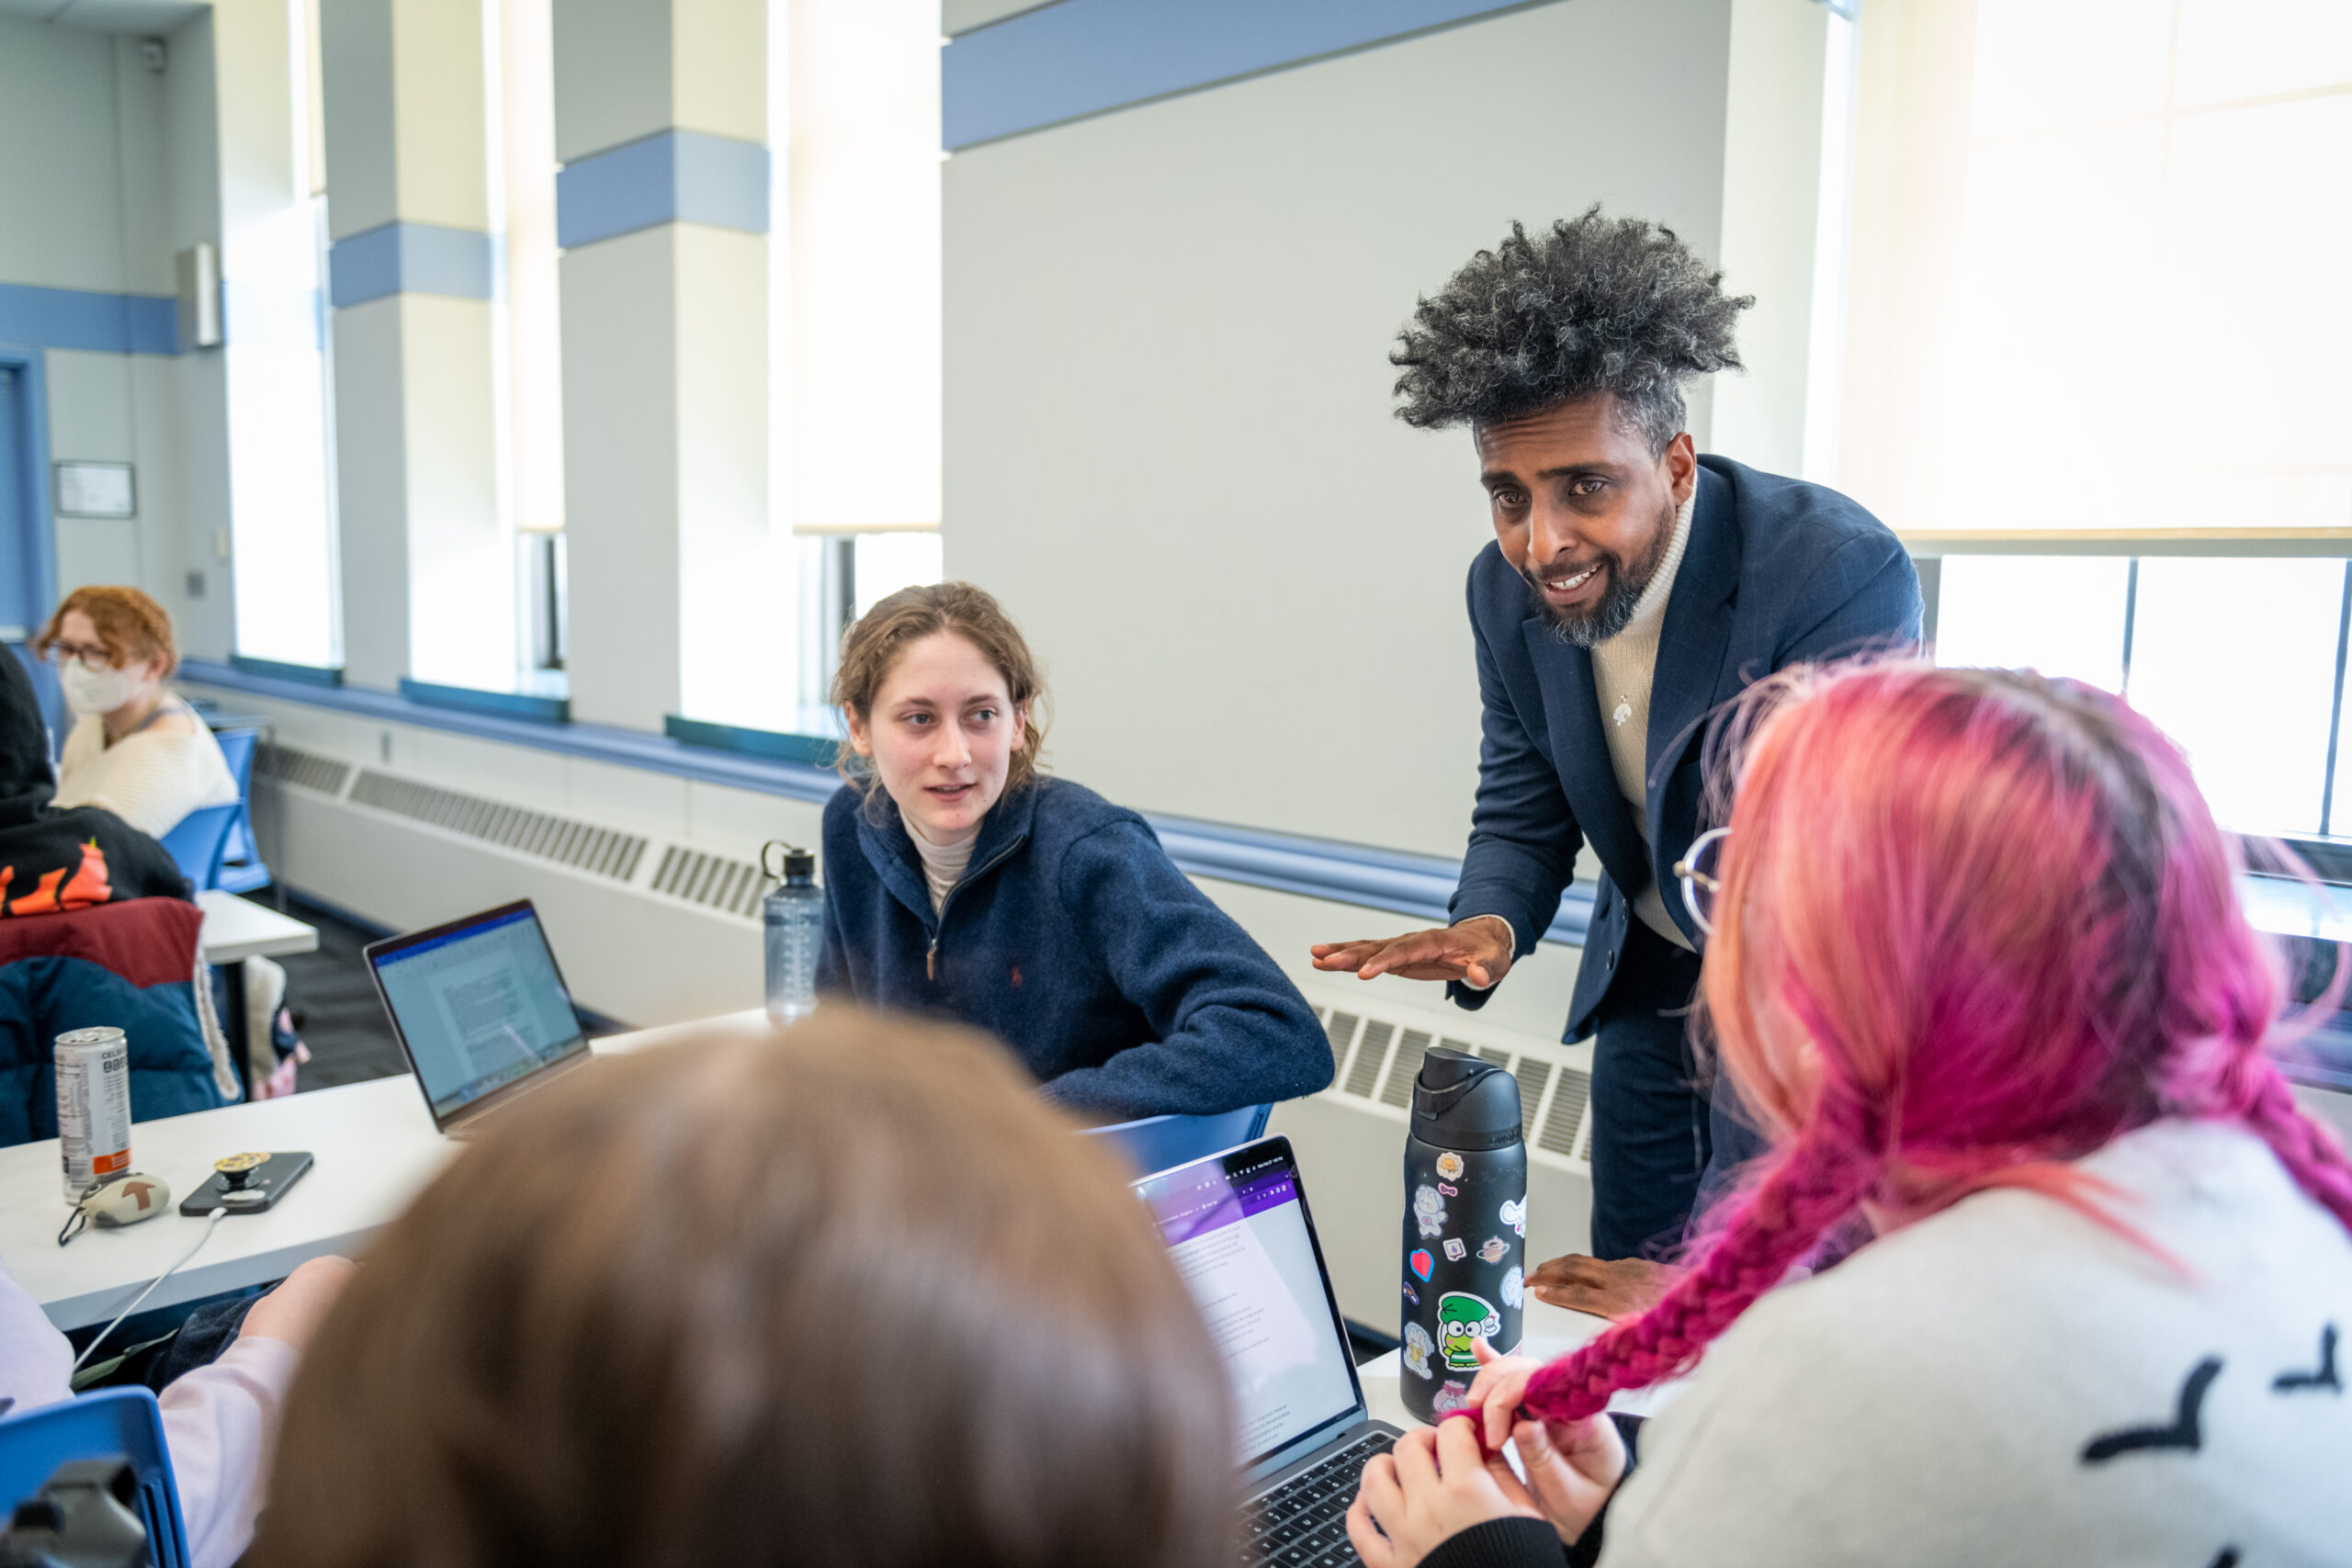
151 779
2007 1383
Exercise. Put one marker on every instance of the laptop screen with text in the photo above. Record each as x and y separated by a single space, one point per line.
480 1004
1236 1229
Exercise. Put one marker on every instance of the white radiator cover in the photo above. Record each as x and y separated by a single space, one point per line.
649 889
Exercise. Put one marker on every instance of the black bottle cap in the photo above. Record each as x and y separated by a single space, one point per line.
799 868
1462 1102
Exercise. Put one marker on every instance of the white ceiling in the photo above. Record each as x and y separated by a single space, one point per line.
147 19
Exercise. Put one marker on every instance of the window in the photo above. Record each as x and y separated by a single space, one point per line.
531 368
276 380
2240 660
2094 340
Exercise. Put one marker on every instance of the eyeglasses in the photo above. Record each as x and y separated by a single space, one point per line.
1700 871
96 658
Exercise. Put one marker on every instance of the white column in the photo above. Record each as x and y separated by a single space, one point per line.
663 211
428 557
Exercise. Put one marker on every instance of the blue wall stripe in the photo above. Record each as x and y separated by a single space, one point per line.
79 318
1412 884
412 258
678 176
1086 57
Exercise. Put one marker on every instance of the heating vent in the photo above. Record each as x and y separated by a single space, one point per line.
1559 1135
713 881
1532 1076
1551 1095
289 764
563 840
1398 1089
1365 1075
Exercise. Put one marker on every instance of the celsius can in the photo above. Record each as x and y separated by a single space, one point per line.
93 1107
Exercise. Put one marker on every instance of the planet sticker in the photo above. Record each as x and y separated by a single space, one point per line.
1422 1263
1496 1249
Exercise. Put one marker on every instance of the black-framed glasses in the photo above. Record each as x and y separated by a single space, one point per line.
1700 872
97 658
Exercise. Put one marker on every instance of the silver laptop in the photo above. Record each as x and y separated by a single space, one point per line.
1238 1229
480 1011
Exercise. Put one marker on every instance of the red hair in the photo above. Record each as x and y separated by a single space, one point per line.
1974 925
133 626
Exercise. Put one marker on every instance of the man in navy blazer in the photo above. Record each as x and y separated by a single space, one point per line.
1633 588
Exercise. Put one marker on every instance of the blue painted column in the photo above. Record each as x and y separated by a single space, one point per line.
661 114
427 556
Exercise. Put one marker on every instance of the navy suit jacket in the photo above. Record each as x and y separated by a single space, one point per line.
1776 572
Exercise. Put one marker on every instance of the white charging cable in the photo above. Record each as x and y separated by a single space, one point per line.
211 1221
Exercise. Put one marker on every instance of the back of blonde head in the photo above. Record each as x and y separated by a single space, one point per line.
845 1294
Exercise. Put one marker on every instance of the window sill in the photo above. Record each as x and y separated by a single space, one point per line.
524 706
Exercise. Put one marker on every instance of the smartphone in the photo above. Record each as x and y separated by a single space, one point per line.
265 1180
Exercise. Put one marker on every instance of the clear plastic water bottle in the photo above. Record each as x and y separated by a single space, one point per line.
794 915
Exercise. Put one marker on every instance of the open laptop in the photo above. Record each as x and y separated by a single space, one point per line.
480 1011
1237 1228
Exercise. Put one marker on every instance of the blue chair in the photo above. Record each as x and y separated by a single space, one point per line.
1162 1143
242 869
200 843
118 1421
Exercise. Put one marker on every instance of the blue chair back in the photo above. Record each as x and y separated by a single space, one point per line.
201 842
125 1421
1162 1143
242 869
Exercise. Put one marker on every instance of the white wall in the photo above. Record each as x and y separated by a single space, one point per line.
87 203
1169 445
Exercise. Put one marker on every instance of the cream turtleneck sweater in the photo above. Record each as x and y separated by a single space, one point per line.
943 864
1622 667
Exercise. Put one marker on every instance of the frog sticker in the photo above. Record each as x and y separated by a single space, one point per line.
1428 1209
1417 1350
1463 1320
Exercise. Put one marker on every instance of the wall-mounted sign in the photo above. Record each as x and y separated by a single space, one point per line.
95 489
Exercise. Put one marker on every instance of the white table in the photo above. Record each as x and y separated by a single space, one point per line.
375 1148
238 928
1548 1332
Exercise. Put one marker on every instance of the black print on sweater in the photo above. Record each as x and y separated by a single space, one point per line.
2184 1432
2327 1378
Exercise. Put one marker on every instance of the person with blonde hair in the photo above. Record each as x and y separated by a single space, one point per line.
843 1293
961 881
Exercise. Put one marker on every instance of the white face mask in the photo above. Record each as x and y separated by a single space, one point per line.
91 691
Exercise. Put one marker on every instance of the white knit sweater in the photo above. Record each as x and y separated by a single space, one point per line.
151 779
2008 1383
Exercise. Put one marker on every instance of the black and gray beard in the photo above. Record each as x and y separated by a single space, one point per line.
1590 628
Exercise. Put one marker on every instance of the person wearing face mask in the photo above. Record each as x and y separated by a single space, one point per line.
135 748
960 882
141 752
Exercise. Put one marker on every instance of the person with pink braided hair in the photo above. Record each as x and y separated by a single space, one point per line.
1979 964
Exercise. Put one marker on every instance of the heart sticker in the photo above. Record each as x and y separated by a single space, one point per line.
1422 1263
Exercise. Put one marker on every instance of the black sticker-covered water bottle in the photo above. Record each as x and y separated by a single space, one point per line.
1465 1227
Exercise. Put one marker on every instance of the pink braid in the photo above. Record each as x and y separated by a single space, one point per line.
1772 1228
2308 1150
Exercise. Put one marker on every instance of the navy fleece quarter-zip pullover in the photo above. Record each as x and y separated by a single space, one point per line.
1076 940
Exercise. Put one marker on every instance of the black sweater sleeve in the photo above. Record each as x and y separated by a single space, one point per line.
1515 1542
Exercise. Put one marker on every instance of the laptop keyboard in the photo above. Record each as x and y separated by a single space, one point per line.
1303 1522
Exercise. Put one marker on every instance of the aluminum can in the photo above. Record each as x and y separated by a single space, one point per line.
93 1107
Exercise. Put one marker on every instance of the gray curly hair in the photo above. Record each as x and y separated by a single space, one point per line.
1593 304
